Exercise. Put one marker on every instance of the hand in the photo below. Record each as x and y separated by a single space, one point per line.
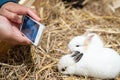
10 32
13 11
10 23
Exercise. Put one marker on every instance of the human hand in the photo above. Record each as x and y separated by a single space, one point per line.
9 24
13 11
10 32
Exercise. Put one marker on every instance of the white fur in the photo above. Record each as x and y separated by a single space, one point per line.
79 40
101 63
65 62
98 62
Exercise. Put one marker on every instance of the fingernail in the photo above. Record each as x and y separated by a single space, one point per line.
39 19
17 19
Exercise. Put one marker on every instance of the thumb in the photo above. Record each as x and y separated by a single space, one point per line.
19 38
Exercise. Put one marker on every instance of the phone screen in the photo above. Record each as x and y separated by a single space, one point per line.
30 28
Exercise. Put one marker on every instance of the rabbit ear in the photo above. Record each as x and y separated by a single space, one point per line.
86 33
77 56
88 40
89 37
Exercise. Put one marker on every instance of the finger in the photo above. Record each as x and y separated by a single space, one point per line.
33 15
19 38
33 9
26 39
18 43
23 10
18 26
12 16
22 40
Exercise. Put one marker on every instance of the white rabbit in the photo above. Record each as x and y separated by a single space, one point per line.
98 62
83 40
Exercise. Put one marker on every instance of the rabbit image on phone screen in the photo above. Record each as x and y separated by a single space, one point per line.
89 60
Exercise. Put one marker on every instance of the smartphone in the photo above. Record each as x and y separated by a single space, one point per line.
32 29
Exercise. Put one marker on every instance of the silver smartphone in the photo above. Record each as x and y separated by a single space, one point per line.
32 29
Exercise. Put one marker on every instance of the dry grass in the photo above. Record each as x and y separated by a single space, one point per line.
62 23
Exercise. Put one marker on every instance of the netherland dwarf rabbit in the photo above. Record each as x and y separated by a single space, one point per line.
89 60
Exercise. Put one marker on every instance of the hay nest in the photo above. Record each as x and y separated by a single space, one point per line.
62 22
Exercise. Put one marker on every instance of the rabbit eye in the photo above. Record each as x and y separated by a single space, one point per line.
63 69
77 45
